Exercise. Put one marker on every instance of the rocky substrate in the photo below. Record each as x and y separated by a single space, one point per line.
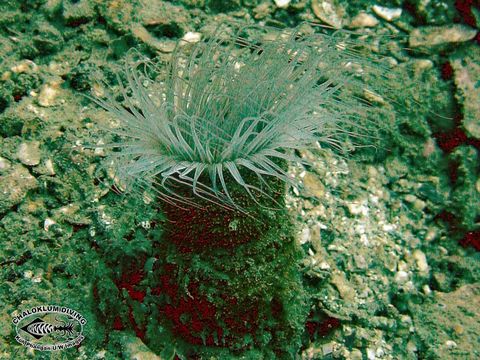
390 236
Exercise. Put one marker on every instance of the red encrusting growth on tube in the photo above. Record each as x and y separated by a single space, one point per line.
471 238
321 327
191 315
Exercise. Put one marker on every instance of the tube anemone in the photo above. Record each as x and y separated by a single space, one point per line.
212 133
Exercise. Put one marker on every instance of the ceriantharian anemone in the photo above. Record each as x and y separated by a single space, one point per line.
230 107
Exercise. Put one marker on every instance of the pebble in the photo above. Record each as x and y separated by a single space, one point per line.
371 354
305 235
356 354
357 208
380 352
345 290
432 36
363 20
146 224
48 94
282 4
401 277
388 227
466 74
324 266
136 349
428 147
450 344
327 349
360 261
313 185
262 11
416 202
49 167
6 76
47 223
421 261
100 150
72 214
386 13
373 97
421 65
329 11
4 164
29 153
426 290
406 320
459 329
14 186
144 35
101 354
192 37
24 67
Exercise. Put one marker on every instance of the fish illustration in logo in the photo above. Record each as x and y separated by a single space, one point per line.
39 328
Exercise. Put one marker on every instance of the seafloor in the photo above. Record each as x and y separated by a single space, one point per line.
391 237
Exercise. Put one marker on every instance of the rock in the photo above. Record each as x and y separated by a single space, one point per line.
282 4
48 94
52 7
304 235
330 12
441 281
81 11
363 20
358 207
141 33
136 349
327 349
459 329
346 291
163 19
386 13
46 168
437 12
450 344
467 75
4 165
356 354
117 13
421 261
47 39
432 37
25 66
71 213
262 10
426 290
192 37
360 261
415 201
401 277
14 186
47 223
371 354
463 303
373 97
29 153
313 185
